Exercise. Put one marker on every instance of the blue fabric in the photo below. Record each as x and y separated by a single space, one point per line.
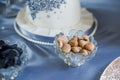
44 64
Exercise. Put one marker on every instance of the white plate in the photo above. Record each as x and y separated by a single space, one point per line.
43 39
112 72
87 24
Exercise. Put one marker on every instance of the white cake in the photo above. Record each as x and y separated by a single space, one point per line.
67 15
49 17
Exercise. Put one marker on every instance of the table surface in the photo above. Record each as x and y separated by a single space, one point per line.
45 65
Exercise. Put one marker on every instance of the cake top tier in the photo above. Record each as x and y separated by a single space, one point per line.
44 5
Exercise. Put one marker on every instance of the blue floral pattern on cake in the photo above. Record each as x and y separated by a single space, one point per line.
43 5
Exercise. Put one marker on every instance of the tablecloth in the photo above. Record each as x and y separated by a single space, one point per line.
44 64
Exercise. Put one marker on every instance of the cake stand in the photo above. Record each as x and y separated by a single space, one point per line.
88 24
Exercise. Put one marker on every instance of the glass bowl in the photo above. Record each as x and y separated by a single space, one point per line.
77 59
11 73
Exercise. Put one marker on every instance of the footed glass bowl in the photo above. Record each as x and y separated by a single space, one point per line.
77 59
11 73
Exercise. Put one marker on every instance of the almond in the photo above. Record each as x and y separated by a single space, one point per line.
86 37
73 43
60 43
62 38
90 46
84 52
76 49
66 48
75 38
82 43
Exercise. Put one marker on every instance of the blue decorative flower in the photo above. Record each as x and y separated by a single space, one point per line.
43 5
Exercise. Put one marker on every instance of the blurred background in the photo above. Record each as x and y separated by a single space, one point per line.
107 12
9 8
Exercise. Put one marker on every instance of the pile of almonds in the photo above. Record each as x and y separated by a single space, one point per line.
75 44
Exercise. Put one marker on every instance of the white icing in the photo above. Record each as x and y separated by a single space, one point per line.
66 16
69 16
